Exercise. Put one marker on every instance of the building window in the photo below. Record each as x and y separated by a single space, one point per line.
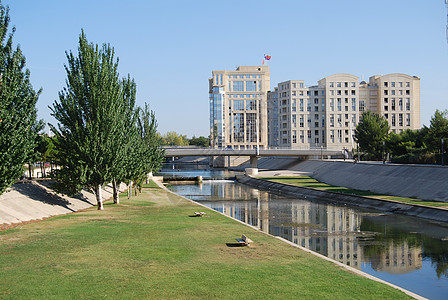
251 86
301 105
238 104
331 120
238 86
294 136
408 119
400 119
301 123
386 84
294 120
408 104
362 105
301 85
393 119
393 104
353 104
339 104
251 105
331 84
400 104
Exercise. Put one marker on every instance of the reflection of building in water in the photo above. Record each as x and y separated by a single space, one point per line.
328 230
250 207
398 258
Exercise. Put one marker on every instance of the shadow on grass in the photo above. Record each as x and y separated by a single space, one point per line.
234 245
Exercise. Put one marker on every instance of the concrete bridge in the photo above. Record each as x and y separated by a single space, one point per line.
253 154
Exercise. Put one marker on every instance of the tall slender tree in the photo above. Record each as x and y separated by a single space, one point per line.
18 115
90 113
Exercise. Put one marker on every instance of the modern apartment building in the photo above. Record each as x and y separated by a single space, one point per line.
273 118
238 107
326 115
244 114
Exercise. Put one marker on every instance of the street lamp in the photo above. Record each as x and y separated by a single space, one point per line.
443 154
321 156
384 152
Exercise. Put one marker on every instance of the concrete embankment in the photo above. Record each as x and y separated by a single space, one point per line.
416 181
430 213
34 200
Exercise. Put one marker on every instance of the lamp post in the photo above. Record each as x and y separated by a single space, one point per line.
443 154
321 155
384 152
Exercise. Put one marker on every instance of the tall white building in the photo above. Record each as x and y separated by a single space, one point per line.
326 115
238 107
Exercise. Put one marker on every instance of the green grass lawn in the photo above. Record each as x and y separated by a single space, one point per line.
308 182
149 247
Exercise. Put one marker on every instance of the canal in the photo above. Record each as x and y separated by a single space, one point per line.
409 252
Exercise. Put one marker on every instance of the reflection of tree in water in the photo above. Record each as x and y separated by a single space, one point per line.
378 249
438 252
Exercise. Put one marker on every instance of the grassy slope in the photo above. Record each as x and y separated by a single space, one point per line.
149 247
306 181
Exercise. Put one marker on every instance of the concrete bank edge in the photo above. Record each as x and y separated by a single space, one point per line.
414 210
348 268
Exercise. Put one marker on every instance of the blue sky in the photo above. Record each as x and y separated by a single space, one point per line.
170 47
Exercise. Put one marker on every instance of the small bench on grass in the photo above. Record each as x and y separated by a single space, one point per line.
199 214
244 241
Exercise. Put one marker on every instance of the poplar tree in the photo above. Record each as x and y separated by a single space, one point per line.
90 112
18 115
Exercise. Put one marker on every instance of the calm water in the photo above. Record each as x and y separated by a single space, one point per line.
405 251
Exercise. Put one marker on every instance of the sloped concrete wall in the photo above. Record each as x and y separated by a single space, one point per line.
34 200
416 181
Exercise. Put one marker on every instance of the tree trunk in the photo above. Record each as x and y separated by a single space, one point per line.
116 196
129 189
29 168
99 197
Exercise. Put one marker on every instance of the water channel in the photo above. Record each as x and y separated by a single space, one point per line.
409 252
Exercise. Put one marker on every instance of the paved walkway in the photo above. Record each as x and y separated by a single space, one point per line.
34 200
